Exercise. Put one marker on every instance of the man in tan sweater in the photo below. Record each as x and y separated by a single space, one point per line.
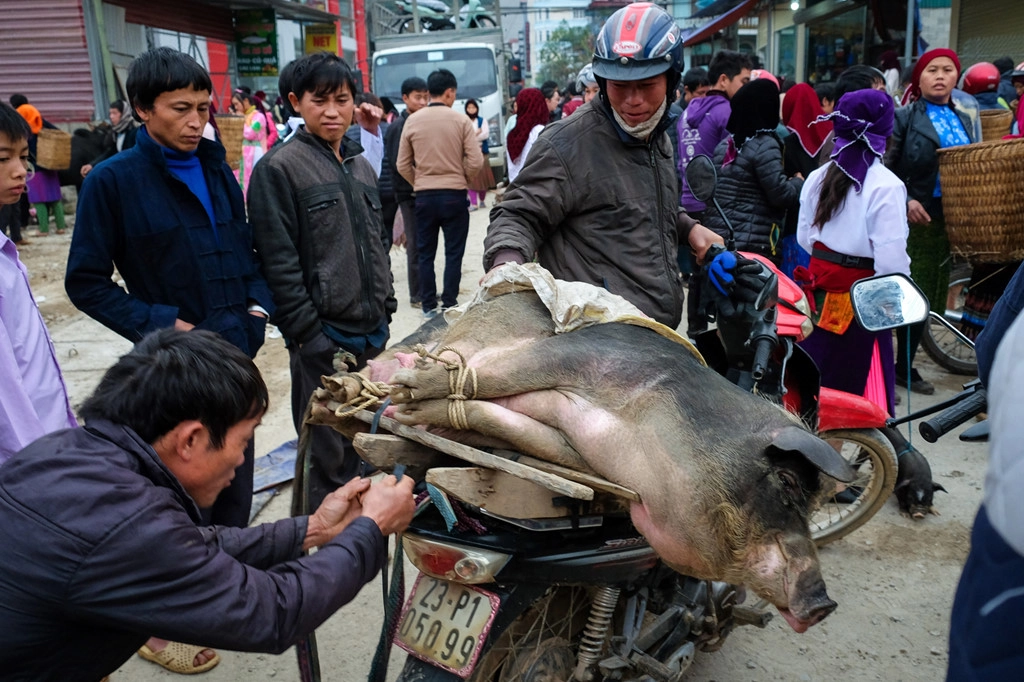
439 155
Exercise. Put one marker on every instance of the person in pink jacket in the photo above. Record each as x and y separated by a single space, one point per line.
256 133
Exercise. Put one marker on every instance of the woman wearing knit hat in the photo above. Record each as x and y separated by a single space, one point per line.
928 123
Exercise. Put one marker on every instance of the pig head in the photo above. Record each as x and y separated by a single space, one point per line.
746 521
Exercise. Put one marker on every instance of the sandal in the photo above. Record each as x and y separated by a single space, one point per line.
178 658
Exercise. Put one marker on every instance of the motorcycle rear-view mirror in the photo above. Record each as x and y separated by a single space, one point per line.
887 302
701 178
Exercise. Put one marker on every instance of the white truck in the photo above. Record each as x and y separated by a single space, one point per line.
478 59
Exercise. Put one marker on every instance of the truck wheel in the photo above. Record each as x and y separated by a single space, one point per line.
874 459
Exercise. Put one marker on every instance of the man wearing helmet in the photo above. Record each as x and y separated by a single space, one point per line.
597 200
982 80
586 83
586 89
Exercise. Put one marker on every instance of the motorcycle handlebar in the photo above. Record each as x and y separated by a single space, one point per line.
950 418
762 352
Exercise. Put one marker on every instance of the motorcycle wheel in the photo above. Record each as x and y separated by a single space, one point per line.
874 459
406 26
536 646
483 21
941 345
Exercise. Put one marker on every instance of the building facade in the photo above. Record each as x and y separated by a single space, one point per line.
71 57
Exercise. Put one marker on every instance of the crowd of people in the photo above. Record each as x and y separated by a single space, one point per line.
833 183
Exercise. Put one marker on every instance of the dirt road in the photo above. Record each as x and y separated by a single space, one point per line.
894 579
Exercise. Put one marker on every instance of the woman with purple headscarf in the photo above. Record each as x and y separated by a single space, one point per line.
853 222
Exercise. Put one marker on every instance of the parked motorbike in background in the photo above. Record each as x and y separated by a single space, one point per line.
436 15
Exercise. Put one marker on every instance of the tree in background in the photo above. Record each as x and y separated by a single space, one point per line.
565 53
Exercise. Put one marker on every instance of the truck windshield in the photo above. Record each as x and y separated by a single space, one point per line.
473 68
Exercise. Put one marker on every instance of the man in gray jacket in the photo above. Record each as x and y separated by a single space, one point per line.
317 226
598 199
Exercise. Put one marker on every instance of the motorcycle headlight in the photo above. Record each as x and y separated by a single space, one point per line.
803 306
806 326
494 136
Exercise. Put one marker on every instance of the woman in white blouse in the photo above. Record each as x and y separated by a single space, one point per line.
853 222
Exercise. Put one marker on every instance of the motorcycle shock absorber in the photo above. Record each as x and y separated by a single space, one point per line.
595 632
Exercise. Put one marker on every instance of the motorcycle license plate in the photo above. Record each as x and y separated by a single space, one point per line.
446 623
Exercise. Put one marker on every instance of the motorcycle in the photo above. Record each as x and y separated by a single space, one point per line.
584 597
777 368
436 15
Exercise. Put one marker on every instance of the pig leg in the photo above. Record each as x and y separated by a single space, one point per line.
504 422
538 367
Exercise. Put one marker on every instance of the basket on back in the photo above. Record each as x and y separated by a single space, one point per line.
231 137
983 200
995 123
53 149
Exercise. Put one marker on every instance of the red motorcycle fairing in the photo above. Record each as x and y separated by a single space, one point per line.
841 410
789 322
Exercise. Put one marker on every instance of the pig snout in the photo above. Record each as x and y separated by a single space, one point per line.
809 603
784 570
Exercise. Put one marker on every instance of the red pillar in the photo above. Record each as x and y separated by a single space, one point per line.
217 53
362 39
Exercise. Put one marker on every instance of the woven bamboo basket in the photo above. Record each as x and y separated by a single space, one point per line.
983 200
995 123
53 149
231 138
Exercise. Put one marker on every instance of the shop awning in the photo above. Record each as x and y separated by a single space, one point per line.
733 12
311 10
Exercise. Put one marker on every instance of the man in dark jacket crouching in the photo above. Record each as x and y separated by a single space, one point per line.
101 530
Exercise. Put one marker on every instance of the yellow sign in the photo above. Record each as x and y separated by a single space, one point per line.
321 38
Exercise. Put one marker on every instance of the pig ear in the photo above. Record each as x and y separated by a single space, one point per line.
815 451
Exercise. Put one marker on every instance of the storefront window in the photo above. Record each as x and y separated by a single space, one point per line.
785 52
701 55
834 44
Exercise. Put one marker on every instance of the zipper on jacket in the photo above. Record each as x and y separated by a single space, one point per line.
359 227
657 184
321 206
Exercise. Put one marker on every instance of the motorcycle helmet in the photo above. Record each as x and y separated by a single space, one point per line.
767 75
1018 74
638 41
585 78
982 77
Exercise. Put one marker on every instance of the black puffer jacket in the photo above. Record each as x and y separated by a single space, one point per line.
755 194
913 153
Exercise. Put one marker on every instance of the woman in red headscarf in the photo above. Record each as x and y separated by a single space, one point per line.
531 117
928 123
800 111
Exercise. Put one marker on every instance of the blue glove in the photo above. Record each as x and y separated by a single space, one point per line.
720 272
